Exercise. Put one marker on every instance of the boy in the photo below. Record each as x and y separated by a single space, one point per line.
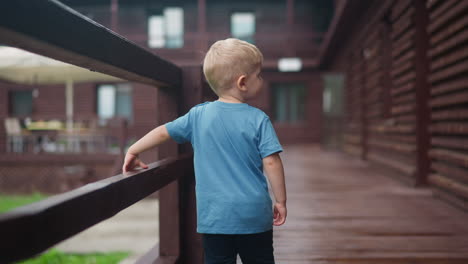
233 143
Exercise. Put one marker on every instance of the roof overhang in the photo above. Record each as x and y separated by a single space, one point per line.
347 14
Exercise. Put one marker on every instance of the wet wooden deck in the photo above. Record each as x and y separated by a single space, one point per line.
341 211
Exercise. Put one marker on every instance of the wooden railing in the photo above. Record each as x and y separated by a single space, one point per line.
49 28
31 229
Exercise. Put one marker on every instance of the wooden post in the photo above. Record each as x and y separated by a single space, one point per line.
202 40
192 249
169 201
421 41
177 206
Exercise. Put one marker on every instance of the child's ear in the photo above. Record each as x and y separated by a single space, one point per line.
241 83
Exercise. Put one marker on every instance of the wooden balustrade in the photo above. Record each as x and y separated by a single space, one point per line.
33 228
52 29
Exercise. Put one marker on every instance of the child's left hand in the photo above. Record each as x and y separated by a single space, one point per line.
279 214
131 161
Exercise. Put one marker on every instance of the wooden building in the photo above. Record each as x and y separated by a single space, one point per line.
405 63
280 28
402 61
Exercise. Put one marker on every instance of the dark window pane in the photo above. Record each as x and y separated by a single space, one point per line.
289 102
279 103
300 101
21 103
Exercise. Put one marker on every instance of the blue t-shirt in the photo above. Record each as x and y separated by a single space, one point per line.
229 142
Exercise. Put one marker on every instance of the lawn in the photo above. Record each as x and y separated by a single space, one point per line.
8 202
53 256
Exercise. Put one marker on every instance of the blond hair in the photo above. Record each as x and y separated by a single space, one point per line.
228 59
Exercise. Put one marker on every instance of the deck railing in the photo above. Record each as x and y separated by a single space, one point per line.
31 229
49 28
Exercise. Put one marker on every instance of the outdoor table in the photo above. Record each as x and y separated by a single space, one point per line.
43 133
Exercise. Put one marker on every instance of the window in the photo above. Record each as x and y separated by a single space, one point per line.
243 26
21 102
289 102
332 94
166 30
114 100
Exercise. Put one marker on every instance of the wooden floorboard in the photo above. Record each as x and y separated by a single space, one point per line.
342 211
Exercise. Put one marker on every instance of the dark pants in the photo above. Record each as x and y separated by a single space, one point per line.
252 248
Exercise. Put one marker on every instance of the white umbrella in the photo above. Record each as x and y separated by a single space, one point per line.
20 66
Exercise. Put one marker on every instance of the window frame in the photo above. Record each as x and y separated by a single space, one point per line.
161 12
254 14
115 87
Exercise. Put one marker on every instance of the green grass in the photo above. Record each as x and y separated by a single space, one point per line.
9 202
54 256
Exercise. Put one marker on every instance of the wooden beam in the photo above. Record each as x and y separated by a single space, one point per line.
347 14
335 29
52 29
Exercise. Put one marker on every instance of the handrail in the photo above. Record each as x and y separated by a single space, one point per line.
33 228
52 29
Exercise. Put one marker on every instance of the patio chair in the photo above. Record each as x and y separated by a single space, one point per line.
15 137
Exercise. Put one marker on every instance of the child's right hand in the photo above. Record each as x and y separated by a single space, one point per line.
279 214
131 161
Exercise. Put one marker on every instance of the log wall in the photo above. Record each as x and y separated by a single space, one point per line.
406 63
392 139
448 55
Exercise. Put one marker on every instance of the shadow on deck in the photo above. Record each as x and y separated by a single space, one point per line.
342 211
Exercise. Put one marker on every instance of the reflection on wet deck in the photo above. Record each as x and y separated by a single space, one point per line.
342 211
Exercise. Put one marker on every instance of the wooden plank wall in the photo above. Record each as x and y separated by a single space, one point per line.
381 101
393 139
352 139
384 139
448 55
407 92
